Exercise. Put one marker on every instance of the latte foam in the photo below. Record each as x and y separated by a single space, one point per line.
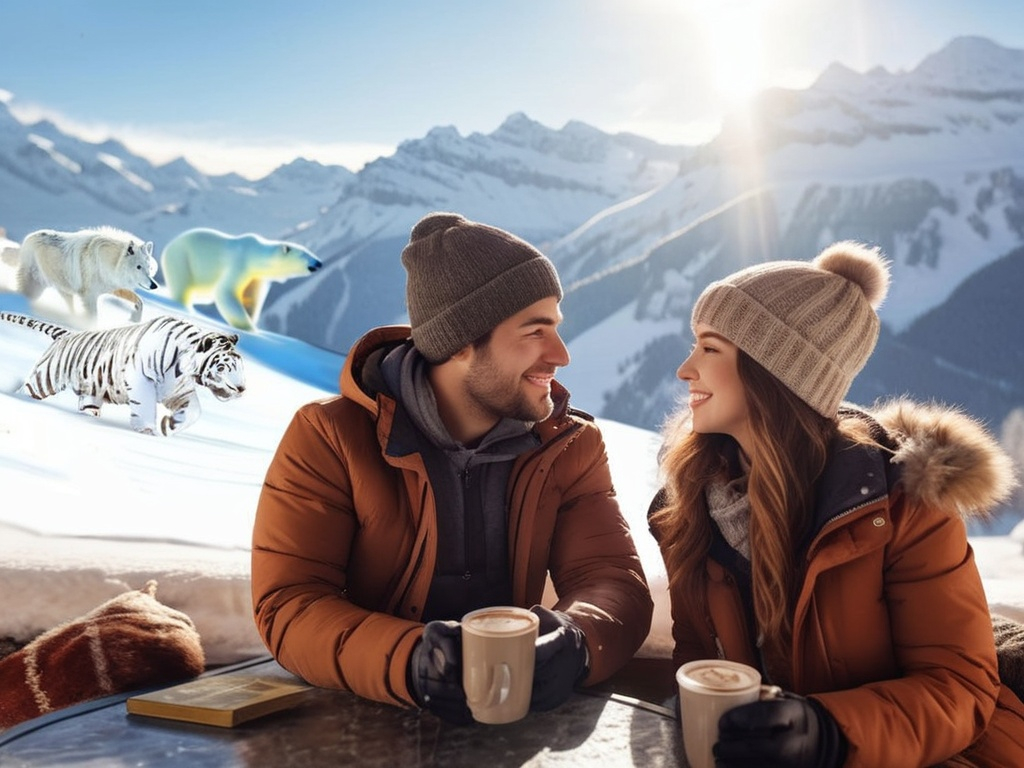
499 623
721 678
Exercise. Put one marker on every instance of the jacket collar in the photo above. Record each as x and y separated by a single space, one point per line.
940 457
947 460
855 475
360 380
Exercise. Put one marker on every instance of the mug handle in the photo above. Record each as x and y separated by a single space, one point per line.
501 684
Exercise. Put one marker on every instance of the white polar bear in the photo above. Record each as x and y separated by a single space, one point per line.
203 266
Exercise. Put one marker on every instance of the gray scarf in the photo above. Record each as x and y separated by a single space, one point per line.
729 506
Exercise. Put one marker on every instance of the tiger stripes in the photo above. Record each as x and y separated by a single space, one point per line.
143 364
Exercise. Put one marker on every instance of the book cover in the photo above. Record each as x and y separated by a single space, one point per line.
221 700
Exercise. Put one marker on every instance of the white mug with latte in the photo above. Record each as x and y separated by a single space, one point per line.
498 655
707 688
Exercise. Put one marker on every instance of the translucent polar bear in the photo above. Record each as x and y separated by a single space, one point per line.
203 266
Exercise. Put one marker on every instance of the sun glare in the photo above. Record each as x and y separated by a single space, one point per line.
733 31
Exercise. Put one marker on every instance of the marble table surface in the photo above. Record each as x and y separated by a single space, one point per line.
334 728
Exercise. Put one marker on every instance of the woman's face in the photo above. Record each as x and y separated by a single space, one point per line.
717 400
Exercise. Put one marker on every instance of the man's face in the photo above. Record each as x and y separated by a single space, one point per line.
511 375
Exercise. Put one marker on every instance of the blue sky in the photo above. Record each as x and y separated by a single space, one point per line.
247 86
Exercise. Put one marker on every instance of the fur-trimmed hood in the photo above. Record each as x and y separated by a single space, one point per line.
949 460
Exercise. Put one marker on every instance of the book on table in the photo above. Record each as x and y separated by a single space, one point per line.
222 700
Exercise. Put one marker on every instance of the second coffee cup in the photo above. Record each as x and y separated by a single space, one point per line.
707 688
498 654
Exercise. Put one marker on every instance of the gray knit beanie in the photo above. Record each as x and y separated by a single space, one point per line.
465 278
812 325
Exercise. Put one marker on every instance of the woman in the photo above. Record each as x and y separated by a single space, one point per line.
826 545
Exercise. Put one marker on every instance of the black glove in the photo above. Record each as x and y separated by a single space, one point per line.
435 672
561 659
785 732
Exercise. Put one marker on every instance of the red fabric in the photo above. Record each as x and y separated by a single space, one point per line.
131 641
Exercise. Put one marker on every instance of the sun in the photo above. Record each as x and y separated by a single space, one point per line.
734 33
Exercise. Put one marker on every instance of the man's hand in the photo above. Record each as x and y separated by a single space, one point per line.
561 659
785 732
435 672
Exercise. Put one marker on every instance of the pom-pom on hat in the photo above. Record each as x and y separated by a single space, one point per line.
464 278
812 325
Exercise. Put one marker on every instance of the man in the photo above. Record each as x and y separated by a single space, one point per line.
449 475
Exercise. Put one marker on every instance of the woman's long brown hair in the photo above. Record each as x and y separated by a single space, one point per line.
790 447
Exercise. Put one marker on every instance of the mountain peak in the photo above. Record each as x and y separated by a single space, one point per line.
518 121
839 77
181 166
520 130
965 64
974 64
8 122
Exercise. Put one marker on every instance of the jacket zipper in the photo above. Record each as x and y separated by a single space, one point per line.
544 449
464 476
845 513
570 432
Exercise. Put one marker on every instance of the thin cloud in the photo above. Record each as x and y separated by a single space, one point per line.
690 133
248 158
252 160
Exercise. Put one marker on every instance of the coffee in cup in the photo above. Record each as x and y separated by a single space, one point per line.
498 654
707 688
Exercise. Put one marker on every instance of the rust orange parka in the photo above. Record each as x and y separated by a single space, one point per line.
345 539
891 629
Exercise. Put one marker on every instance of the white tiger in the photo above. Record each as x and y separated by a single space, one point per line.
158 361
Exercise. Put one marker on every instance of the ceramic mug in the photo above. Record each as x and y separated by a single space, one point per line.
498 655
707 688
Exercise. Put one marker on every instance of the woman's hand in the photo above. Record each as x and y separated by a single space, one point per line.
789 731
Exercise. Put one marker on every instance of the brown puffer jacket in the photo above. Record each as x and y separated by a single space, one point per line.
345 540
892 631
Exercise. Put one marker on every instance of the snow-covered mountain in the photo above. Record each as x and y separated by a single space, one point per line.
928 164
49 179
537 182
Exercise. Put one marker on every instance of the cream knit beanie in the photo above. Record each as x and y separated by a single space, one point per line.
812 325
